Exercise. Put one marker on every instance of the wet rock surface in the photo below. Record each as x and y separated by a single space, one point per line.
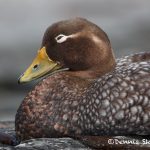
39 144
82 143
46 143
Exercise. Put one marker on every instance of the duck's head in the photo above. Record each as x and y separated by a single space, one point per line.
76 45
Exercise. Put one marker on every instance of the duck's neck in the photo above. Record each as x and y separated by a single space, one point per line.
101 68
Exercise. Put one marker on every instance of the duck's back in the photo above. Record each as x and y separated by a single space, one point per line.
122 97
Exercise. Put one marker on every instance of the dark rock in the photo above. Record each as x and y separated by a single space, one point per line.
46 144
39 144
81 142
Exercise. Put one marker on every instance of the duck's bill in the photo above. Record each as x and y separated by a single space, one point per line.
40 66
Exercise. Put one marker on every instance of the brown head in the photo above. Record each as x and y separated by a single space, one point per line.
76 45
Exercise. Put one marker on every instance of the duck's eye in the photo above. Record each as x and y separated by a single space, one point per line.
61 38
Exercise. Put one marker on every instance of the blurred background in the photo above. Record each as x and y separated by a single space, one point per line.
22 25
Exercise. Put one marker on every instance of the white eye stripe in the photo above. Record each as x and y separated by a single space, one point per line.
61 38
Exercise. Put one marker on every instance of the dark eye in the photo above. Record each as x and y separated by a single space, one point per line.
61 38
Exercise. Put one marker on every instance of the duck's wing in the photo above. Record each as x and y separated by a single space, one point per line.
122 98
135 58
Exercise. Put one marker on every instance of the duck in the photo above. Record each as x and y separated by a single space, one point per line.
83 89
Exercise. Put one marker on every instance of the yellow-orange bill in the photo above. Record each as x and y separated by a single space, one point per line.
40 66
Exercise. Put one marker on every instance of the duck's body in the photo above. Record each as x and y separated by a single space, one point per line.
114 104
96 96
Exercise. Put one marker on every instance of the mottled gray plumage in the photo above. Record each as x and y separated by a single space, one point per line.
122 99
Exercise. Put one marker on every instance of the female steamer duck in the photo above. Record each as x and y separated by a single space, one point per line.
87 92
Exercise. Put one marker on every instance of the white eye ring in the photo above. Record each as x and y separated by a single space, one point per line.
61 38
